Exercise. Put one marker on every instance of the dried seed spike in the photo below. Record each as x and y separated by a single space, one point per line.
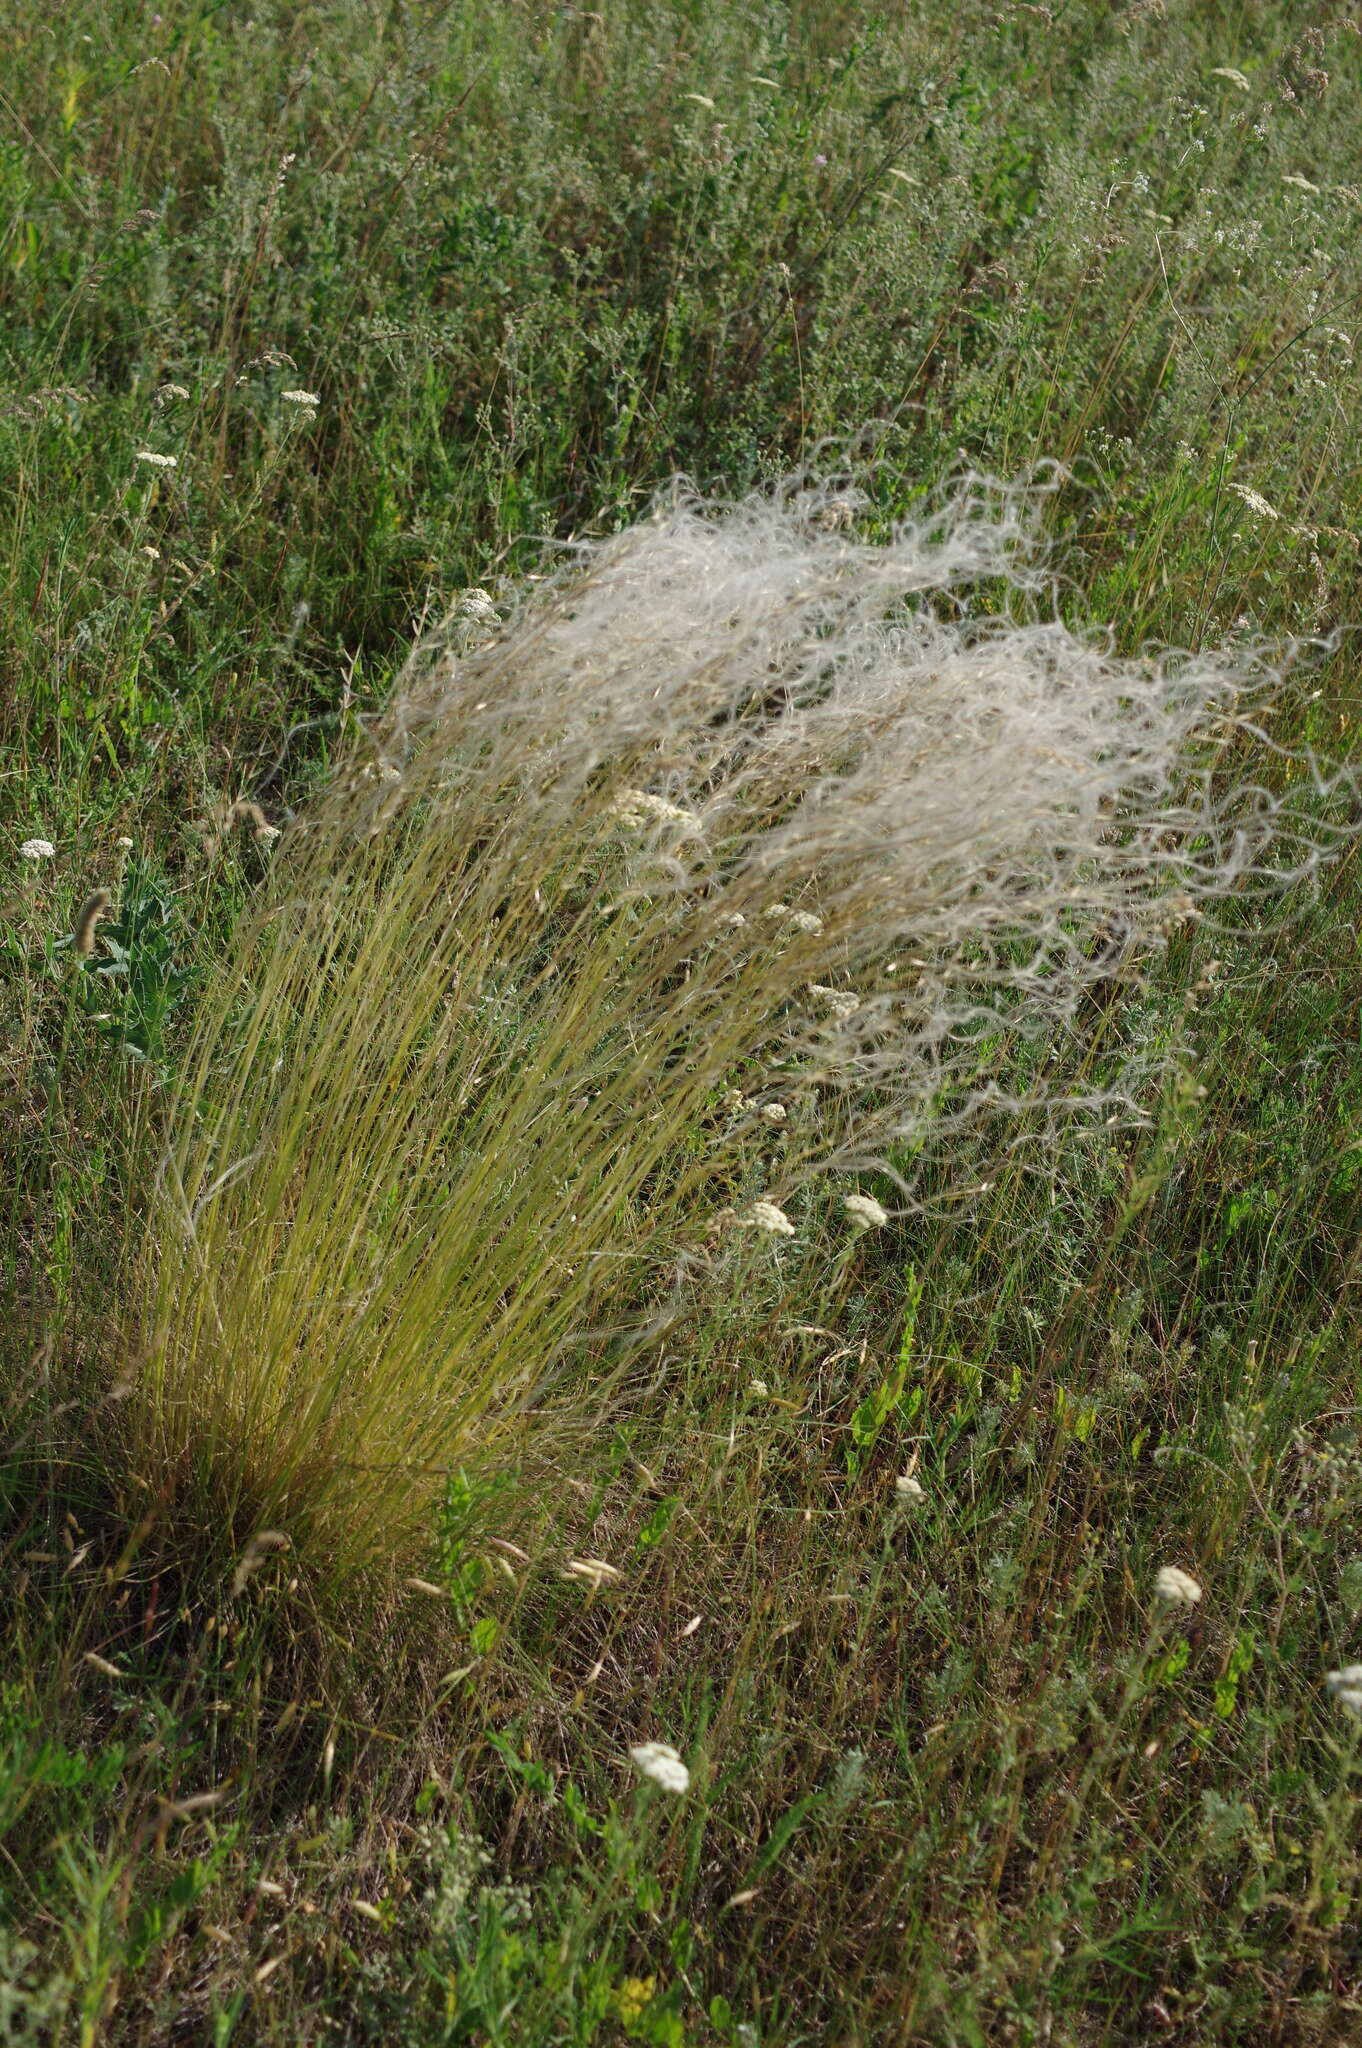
91 911
264 1541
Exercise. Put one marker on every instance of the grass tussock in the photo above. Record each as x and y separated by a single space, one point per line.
828 1348
744 825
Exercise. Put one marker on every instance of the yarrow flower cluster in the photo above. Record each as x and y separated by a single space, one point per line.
908 1488
662 1764
641 807
843 1002
1346 1688
865 1212
37 849
311 398
156 461
1176 1588
769 1218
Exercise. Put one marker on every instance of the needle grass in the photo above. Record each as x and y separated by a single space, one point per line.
736 802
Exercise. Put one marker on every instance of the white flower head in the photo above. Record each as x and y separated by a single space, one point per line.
758 1389
1346 1687
312 398
37 849
660 1762
908 1488
157 461
770 1219
124 844
843 1002
774 1113
476 603
1176 1588
865 1212
1232 76
642 807
805 921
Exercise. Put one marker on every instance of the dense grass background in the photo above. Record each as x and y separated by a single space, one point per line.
955 1779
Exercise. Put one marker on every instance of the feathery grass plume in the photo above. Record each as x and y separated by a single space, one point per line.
87 918
434 1154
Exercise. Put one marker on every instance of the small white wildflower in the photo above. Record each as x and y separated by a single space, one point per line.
660 1762
301 397
1345 1686
1301 184
641 807
776 910
1233 76
758 1389
735 920
770 1219
169 391
1177 1588
865 1212
1255 502
805 921
774 1113
38 849
157 461
476 603
843 1002
734 1101
907 1488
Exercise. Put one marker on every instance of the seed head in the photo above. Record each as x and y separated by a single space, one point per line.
593 1569
88 916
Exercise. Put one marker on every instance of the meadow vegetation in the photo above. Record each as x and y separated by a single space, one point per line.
683 1162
